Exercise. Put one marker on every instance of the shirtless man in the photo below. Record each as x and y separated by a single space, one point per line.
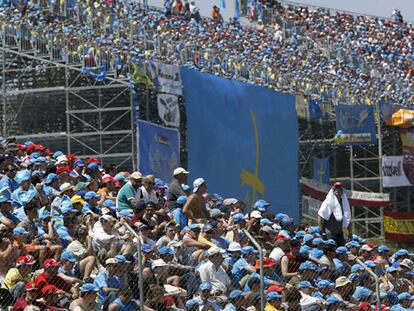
195 208
6 252
87 300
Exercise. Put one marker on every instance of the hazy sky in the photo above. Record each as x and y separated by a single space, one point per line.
372 7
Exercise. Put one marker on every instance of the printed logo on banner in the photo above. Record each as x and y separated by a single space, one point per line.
158 150
397 171
321 170
166 77
357 123
168 109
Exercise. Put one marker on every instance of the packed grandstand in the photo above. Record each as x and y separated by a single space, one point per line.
76 234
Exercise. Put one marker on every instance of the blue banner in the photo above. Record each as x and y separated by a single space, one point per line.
158 150
357 124
315 112
321 170
243 140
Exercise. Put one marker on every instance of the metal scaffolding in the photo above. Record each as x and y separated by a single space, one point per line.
54 102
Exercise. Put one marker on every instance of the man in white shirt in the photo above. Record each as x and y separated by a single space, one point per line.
281 247
213 272
146 191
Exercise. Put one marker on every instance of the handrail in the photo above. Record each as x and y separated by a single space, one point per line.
141 287
262 287
377 289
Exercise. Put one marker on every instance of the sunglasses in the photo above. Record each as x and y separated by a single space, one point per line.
12 170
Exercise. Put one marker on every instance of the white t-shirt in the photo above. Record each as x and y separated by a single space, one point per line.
277 254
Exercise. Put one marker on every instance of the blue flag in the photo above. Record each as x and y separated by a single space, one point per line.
222 4
238 10
321 170
314 110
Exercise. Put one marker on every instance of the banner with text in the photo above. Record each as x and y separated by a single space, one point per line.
310 208
167 78
168 109
357 123
158 150
399 226
397 171
243 139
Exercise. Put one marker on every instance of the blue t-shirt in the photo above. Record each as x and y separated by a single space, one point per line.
104 280
86 209
238 271
339 265
130 306
180 218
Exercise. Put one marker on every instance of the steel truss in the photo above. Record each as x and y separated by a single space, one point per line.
53 102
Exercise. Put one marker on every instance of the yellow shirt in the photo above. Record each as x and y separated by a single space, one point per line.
269 307
13 274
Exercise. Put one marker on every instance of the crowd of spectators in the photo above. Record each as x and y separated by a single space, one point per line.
339 58
64 245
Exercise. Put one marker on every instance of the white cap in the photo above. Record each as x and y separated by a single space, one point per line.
158 263
408 263
136 175
230 201
60 159
107 217
105 211
214 250
234 247
65 187
179 170
366 247
256 214
197 183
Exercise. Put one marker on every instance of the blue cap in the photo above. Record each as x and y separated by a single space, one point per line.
260 205
362 293
109 204
22 176
307 238
238 217
314 229
305 284
68 256
43 213
300 234
356 268
383 248
146 248
185 187
205 286
91 195
126 213
401 252
397 307
58 154
79 163
121 259
317 241
317 253
370 264
181 200
280 216
286 221
307 265
193 303
383 295
305 249
20 231
5 195
120 177
273 295
342 250
88 287
195 227
332 299
391 269
50 178
265 222
235 294
248 250
167 251
330 242
207 227
325 283
353 244
93 166
405 296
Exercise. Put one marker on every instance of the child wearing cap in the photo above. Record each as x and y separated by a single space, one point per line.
17 277
32 293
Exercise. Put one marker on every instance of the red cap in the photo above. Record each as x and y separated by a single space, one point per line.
267 263
50 289
21 147
63 169
372 245
274 288
51 262
93 160
71 158
31 286
28 260
47 152
337 184
281 237
40 147
107 178
31 148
